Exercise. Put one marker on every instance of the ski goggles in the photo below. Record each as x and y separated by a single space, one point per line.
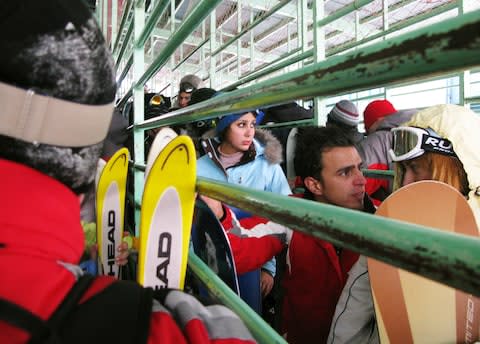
156 100
412 142
187 87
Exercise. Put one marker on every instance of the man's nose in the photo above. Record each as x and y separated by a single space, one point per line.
360 178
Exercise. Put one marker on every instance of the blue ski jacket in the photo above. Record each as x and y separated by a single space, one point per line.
258 169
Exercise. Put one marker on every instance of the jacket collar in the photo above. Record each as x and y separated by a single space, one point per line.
210 146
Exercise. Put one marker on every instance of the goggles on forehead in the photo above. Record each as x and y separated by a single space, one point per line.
187 87
412 142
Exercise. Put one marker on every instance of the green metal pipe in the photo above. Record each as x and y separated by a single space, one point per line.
157 12
278 59
292 124
378 173
407 22
446 257
251 26
270 69
138 166
125 98
451 45
355 5
124 45
125 70
309 53
473 99
262 332
191 53
123 22
201 10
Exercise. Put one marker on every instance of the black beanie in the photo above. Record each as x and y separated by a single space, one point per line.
56 49
201 94
32 57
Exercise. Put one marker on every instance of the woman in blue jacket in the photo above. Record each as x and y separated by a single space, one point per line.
241 154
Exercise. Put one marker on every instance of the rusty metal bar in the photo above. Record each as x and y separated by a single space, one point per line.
446 257
448 46
262 332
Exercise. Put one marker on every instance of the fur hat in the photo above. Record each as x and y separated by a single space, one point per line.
345 112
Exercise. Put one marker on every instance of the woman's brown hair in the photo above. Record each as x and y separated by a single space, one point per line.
444 169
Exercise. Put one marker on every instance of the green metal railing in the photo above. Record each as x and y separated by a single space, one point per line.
450 46
251 26
123 23
187 27
422 53
452 259
262 332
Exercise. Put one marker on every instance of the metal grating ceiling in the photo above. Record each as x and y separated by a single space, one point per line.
277 34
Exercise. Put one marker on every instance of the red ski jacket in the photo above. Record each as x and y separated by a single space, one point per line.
315 276
41 241
253 243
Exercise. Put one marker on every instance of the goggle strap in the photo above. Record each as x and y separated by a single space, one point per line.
437 145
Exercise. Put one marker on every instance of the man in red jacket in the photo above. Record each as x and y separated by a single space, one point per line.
57 86
330 167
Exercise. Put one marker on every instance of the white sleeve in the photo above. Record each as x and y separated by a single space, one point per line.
354 318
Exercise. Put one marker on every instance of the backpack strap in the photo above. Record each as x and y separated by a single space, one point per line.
22 318
42 331
98 319
70 301
118 313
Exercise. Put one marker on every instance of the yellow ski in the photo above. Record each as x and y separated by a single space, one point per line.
110 203
166 216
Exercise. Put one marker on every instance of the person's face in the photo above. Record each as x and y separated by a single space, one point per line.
183 99
415 170
239 135
343 183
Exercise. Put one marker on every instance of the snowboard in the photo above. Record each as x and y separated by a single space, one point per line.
166 216
211 244
110 211
413 309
